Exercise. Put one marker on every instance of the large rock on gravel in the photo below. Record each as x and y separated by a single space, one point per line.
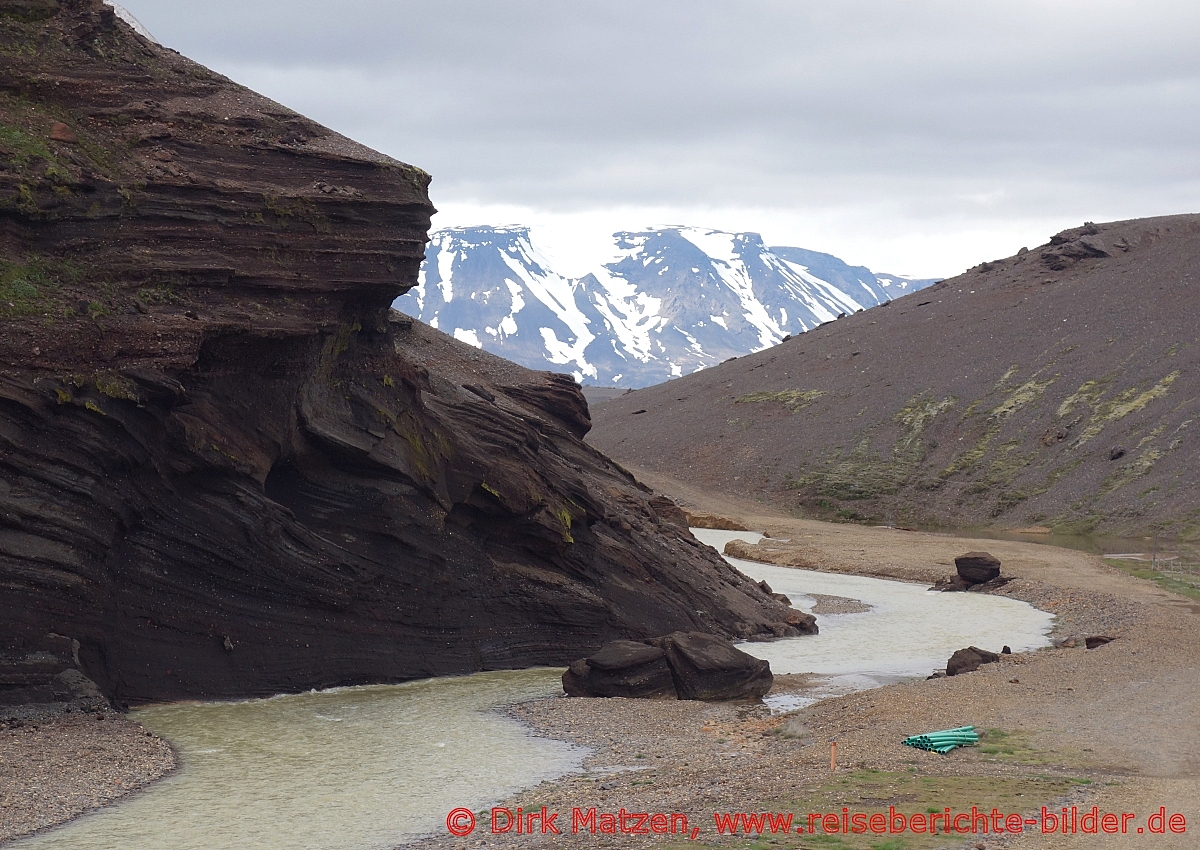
622 668
969 660
707 667
977 567
687 665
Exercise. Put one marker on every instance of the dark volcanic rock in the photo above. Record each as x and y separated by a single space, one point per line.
689 665
226 470
622 668
968 660
977 567
707 667
45 672
667 511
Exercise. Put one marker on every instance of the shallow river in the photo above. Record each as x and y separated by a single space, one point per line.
910 630
362 767
370 767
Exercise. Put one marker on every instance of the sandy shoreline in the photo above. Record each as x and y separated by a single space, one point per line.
1066 726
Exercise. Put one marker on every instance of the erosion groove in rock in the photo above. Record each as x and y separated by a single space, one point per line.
225 470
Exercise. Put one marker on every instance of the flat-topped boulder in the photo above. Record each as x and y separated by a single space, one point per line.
977 567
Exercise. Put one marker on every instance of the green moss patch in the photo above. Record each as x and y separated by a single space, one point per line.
793 400
33 286
1170 575
865 473
1120 406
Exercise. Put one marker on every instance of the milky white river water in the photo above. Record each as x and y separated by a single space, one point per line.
368 768
909 632
350 768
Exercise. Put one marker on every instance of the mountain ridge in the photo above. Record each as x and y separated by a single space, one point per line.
670 300
1057 387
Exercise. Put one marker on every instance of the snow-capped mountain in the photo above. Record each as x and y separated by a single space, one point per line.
670 301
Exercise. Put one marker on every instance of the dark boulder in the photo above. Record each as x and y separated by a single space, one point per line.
622 668
1093 641
801 621
707 667
44 672
977 567
689 665
969 660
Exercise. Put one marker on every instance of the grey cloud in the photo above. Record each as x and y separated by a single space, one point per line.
936 108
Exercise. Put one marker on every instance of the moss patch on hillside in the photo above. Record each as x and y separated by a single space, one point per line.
1116 408
793 400
34 286
969 459
866 473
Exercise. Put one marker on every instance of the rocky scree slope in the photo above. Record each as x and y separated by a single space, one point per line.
224 470
1058 387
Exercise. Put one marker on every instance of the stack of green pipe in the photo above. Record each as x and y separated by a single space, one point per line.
944 741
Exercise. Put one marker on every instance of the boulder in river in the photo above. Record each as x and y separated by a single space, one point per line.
977 567
969 660
622 668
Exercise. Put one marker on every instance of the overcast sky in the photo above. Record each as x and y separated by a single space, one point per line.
912 136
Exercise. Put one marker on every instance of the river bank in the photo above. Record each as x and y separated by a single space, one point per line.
1112 726
55 767
1063 726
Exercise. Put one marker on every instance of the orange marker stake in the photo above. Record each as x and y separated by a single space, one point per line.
833 755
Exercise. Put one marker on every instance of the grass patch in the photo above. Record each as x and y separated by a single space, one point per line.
32 286
873 792
998 745
1174 581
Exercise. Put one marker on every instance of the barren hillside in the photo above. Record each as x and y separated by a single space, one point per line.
1057 387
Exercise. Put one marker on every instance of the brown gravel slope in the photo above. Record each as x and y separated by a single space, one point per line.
57 768
1057 387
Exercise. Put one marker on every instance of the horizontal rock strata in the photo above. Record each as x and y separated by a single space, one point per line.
225 468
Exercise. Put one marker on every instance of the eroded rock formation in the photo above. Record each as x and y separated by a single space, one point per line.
225 470
683 665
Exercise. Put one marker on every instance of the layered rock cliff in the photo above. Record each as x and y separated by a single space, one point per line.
225 468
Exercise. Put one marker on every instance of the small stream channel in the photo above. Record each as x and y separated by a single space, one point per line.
368 768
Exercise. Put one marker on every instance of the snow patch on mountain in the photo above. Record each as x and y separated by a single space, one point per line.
668 301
